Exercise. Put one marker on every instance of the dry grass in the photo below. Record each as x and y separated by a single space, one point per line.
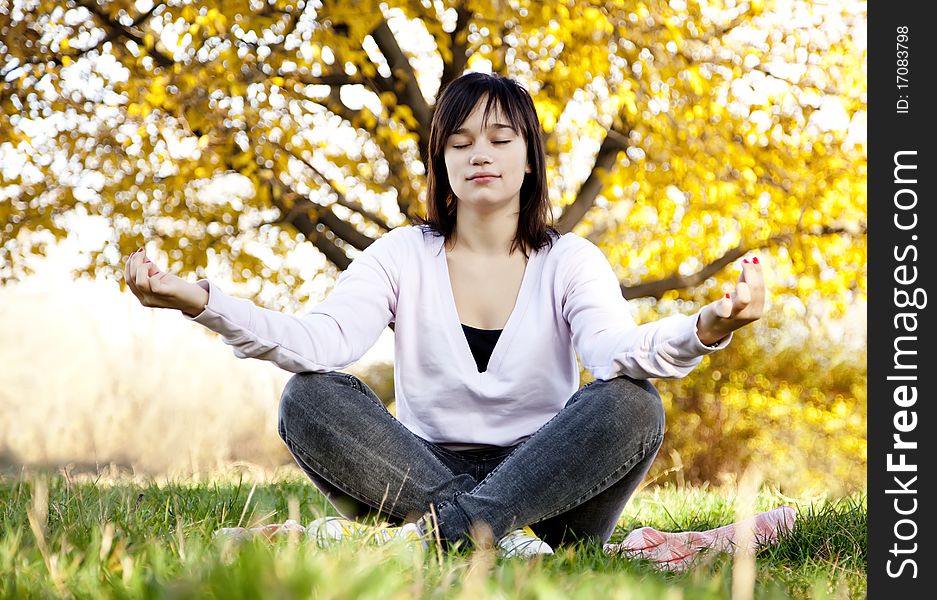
93 380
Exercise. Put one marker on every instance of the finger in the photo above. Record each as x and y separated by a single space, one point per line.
155 285
723 307
752 272
749 270
129 271
140 274
755 279
760 274
743 294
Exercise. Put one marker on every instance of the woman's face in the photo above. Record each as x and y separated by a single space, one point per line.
498 150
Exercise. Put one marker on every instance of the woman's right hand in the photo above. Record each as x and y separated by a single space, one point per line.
158 289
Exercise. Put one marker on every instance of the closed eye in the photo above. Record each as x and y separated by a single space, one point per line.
500 142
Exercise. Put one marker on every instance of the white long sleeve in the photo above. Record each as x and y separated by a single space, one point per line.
605 335
334 334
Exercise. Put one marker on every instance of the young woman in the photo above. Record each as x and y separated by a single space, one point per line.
491 306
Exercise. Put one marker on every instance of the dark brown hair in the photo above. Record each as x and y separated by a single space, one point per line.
455 104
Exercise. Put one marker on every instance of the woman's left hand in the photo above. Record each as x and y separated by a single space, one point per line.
745 305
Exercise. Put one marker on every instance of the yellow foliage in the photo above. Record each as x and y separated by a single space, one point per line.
801 417
707 158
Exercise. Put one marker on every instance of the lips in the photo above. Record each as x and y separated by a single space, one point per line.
479 175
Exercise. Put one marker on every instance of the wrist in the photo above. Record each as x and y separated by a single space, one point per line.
195 302
705 334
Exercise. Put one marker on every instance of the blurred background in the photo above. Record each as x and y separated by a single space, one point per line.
264 144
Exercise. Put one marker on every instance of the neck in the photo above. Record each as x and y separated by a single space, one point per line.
490 233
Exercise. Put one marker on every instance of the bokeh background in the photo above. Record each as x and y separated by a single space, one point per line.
264 144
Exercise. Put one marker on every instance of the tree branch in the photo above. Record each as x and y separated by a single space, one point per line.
454 68
120 30
341 200
391 154
657 288
765 68
605 160
331 79
304 223
406 86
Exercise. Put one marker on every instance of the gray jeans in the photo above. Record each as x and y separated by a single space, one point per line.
569 481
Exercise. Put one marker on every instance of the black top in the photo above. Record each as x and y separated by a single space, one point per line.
482 342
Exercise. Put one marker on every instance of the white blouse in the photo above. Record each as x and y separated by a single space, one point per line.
569 302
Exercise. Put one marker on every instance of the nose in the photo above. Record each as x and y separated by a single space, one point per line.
478 159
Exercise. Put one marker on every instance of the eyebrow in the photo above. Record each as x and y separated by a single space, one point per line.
463 130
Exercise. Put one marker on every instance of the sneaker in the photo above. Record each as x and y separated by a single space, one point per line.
329 530
523 543
268 532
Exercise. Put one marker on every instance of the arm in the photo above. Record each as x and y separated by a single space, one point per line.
196 301
333 335
605 336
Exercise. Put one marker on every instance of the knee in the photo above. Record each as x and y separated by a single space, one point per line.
641 406
302 393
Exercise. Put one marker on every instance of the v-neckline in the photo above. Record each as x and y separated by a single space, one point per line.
454 323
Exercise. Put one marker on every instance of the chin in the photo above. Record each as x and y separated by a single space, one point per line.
486 204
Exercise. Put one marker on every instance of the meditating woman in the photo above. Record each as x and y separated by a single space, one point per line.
490 306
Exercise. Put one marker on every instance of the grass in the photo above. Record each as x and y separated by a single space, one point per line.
120 537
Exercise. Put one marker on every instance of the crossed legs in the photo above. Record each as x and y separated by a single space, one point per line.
570 480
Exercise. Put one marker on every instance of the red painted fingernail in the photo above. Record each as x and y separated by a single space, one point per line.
728 296
755 260
744 260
